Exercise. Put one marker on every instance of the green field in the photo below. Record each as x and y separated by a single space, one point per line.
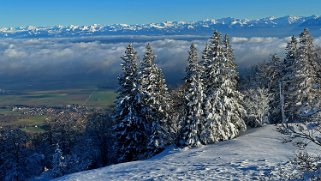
32 124
27 123
8 111
87 97
101 98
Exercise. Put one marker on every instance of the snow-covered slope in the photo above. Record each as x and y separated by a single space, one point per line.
270 26
252 156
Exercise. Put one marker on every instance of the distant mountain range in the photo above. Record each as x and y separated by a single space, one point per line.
270 26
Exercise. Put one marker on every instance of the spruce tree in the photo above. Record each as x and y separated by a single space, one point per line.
147 89
223 110
166 106
270 75
228 51
289 81
306 91
154 103
193 118
228 108
275 75
130 130
211 75
205 61
291 56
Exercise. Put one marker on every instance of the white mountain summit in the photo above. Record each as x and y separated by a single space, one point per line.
285 26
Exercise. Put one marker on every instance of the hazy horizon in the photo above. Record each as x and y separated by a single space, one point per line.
161 21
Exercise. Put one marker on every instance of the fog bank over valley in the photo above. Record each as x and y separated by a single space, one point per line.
95 61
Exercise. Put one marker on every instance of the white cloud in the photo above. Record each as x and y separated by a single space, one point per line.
262 39
14 53
239 39
101 56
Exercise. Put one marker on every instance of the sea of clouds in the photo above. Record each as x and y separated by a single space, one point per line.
97 59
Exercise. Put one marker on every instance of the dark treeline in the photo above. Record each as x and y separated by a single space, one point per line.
67 146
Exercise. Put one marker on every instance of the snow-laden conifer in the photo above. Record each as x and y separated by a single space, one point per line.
205 61
270 75
130 130
154 103
193 118
212 82
289 82
223 110
306 91
228 51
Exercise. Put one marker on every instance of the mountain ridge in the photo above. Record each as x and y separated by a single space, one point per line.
269 26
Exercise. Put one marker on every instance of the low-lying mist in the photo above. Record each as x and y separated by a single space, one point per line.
95 61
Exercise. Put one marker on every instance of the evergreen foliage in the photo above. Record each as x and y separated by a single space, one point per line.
299 77
307 86
59 163
275 76
223 109
154 103
130 129
289 79
193 107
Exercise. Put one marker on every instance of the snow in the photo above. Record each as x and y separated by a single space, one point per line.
252 156
287 23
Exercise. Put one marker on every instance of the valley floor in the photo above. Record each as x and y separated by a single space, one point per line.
255 155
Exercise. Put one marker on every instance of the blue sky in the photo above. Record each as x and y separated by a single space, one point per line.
66 12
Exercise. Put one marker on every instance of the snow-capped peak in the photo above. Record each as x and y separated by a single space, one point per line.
228 24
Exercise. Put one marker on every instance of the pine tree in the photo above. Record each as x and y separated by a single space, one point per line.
58 163
147 89
205 64
166 107
178 109
205 61
270 75
291 56
193 118
274 74
154 103
306 90
228 51
211 75
161 133
289 69
130 129
223 110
